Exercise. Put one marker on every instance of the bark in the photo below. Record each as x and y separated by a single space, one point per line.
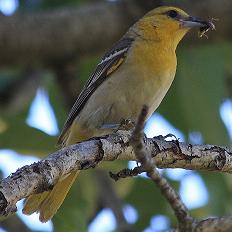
223 224
43 175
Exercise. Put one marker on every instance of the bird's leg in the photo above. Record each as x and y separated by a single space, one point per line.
112 126
125 124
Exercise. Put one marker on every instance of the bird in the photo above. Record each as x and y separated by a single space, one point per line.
139 69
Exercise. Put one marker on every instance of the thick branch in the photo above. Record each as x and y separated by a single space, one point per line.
42 175
223 224
63 34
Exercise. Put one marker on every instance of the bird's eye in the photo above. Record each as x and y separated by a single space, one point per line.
172 14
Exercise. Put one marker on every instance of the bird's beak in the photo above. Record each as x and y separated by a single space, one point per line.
191 22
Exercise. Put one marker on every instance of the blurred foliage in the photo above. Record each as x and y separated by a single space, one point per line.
192 104
148 202
199 89
70 217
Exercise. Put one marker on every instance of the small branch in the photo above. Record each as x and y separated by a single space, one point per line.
145 158
43 175
124 173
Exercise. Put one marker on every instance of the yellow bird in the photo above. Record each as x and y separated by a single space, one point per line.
139 69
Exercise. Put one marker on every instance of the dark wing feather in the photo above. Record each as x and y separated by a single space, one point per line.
109 63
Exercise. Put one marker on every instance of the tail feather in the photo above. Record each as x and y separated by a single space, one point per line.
48 203
32 203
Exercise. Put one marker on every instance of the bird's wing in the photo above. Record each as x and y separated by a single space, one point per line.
109 63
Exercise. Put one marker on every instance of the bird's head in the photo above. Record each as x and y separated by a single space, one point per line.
169 24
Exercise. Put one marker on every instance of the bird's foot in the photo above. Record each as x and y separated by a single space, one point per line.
111 126
126 124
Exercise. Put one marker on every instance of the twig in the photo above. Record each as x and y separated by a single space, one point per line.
145 158
124 173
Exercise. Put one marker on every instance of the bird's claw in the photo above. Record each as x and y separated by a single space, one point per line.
126 124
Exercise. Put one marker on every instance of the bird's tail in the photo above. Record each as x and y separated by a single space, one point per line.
47 203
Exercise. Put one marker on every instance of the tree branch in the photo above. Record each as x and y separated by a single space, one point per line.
185 221
63 34
67 33
222 224
43 175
